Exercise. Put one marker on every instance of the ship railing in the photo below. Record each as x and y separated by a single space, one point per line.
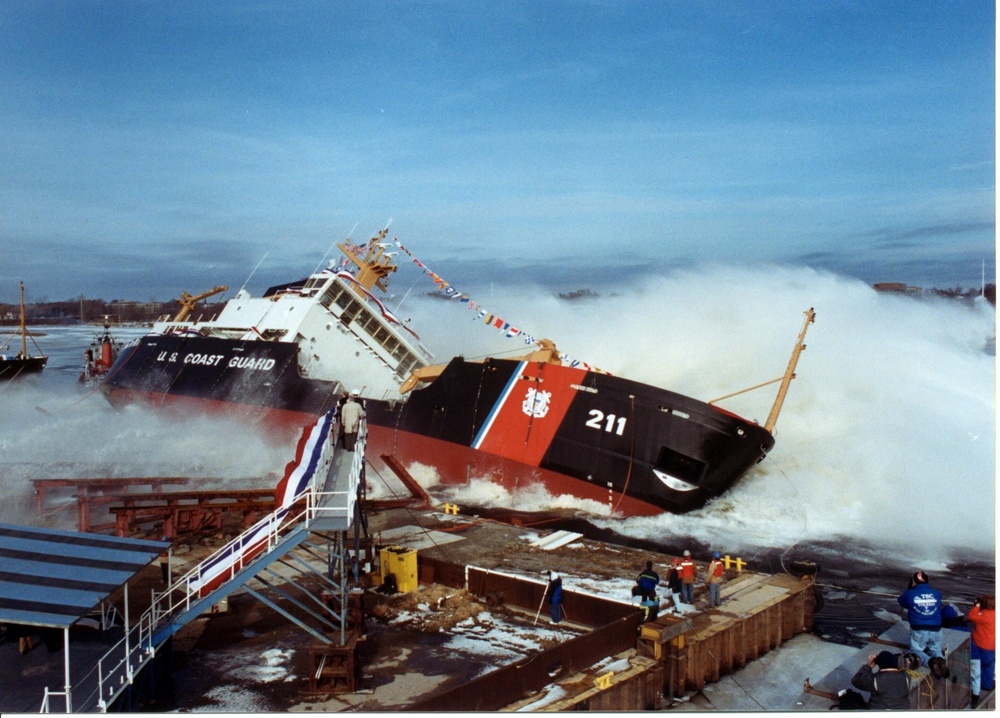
339 504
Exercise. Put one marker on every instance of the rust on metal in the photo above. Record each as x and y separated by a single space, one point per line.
408 481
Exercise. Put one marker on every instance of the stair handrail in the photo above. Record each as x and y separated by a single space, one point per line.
319 504
266 534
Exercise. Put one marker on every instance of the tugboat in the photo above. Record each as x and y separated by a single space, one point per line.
285 358
13 366
100 356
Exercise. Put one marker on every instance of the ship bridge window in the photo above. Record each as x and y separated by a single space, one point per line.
365 320
315 282
370 323
680 466
336 294
406 366
350 311
354 312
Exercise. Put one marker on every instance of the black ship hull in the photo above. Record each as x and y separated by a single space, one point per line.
630 447
12 368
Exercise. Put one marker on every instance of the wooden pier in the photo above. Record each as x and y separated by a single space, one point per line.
759 612
184 511
86 488
667 656
91 492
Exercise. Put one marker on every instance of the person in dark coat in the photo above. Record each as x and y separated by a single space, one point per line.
344 396
923 610
553 595
647 581
889 687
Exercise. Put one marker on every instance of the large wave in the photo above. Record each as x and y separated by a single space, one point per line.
888 431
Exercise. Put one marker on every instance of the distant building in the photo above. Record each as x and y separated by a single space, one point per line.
898 288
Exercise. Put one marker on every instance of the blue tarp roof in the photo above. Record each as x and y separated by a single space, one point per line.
52 578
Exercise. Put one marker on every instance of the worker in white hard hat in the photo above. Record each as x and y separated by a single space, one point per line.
350 417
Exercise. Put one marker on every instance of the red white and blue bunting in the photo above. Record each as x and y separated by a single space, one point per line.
299 473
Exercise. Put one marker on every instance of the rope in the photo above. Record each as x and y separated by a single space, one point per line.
927 679
631 456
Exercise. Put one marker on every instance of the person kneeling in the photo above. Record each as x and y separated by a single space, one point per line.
889 687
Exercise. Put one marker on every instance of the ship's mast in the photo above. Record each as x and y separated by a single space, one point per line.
772 418
375 266
24 328
785 380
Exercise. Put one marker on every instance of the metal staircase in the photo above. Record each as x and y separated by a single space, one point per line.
326 505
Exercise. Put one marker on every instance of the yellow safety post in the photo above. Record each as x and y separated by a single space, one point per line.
451 509
602 682
738 562
401 563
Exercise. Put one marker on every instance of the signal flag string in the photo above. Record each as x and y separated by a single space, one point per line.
487 317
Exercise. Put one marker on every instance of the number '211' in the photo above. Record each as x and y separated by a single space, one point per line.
611 423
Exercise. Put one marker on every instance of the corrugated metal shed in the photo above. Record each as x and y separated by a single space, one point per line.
52 578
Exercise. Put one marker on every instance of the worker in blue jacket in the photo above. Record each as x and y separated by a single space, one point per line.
554 594
923 611
647 581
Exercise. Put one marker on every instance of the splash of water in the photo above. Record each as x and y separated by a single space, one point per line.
888 432
62 431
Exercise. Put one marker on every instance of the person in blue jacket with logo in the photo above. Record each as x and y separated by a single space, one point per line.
554 596
923 611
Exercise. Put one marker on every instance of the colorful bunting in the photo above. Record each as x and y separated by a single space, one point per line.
489 319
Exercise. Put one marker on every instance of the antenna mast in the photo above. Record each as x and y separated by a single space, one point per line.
785 380
24 328
772 418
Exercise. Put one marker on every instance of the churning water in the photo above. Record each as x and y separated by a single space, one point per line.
885 453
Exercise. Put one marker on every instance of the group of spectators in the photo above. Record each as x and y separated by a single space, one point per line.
887 676
680 581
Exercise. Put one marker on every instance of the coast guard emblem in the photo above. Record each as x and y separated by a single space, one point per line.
536 403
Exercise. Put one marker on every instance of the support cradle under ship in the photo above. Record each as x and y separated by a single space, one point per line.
285 358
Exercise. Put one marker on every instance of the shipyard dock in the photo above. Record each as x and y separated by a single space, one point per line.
467 629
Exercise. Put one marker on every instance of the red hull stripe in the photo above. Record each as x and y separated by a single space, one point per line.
527 416
455 463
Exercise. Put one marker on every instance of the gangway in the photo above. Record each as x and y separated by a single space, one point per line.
322 493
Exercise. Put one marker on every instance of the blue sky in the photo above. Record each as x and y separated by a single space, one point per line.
154 147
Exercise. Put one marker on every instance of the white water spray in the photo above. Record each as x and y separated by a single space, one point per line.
888 432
